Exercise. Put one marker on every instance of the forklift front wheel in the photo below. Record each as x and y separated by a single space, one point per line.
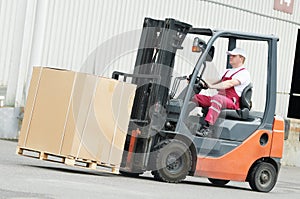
173 161
263 177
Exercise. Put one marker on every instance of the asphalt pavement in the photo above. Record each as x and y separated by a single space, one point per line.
23 178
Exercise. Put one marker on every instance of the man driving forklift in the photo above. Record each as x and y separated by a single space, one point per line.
230 87
161 137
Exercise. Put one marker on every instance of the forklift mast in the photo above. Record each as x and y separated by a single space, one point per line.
156 54
160 39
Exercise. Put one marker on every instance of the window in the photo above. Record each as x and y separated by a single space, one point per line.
294 105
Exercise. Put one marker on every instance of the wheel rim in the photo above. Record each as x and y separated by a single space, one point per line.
265 178
174 162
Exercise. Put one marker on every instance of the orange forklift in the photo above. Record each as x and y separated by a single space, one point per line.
245 145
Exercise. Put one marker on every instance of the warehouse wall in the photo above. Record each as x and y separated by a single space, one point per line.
98 36
11 34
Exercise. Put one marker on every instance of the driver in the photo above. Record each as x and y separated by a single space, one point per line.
230 87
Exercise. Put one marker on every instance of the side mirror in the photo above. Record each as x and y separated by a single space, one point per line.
211 53
199 45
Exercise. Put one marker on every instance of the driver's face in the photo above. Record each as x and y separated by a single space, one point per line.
235 60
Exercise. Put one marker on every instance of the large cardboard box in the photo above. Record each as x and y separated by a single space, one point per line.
77 115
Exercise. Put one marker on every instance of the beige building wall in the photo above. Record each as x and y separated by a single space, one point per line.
72 35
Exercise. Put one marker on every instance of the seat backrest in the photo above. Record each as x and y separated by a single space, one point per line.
245 99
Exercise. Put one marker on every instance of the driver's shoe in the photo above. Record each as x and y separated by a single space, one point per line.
203 132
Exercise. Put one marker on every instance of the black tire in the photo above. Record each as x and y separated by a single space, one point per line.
173 161
263 177
218 181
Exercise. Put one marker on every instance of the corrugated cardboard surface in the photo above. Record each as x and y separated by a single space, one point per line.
76 114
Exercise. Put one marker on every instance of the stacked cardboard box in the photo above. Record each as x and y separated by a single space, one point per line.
76 114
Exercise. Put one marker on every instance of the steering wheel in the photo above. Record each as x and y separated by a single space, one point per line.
201 84
190 77
204 84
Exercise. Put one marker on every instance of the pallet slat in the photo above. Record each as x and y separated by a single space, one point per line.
70 161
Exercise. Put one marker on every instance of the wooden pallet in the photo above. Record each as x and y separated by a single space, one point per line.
67 160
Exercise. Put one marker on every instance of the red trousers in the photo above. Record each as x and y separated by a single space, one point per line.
215 103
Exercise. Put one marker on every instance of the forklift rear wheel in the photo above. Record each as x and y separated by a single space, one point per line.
263 177
218 181
173 161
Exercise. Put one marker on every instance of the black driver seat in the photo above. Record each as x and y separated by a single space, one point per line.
245 106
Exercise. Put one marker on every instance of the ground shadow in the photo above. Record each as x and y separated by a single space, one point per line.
192 183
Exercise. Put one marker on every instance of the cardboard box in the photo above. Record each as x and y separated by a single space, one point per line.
75 114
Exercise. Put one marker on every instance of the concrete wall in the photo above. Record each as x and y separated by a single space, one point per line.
9 122
291 156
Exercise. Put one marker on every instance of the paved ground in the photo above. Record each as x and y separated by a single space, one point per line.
23 177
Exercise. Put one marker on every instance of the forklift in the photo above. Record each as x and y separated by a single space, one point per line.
245 145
